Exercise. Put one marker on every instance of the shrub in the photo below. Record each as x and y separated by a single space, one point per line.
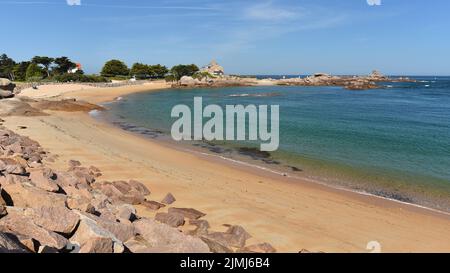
34 72
170 78
114 68
183 70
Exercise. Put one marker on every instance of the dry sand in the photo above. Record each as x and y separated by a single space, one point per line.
289 215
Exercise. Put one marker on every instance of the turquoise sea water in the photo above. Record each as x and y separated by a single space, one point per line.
393 142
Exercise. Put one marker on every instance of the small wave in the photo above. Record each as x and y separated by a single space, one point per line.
255 95
119 98
239 95
94 113
427 85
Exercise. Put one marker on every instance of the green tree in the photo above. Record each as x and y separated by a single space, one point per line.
114 68
140 71
63 64
170 78
181 70
34 72
46 62
203 75
6 67
159 71
20 71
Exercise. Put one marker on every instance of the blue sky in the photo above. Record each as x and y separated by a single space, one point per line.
246 36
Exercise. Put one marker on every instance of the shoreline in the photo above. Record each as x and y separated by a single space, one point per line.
414 198
276 174
351 206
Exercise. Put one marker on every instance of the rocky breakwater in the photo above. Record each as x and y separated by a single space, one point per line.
348 82
6 88
44 210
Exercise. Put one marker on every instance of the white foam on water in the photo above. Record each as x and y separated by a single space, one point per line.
94 113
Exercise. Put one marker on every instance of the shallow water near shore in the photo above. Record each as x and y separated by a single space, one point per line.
392 142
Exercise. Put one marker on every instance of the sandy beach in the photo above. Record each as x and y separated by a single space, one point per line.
290 215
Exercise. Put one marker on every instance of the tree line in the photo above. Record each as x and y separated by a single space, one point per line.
39 67
60 69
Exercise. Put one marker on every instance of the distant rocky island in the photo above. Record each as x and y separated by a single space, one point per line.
214 76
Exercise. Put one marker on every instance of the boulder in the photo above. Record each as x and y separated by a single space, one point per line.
168 199
121 231
27 196
188 212
74 163
29 243
235 236
10 244
11 166
138 244
93 238
106 214
80 203
120 192
100 200
21 225
258 248
4 94
83 175
171 219
216 246
139 187
125 212
44 179
7 85
13 179
95 171
153 205
163 238
58 219
188 81
202 227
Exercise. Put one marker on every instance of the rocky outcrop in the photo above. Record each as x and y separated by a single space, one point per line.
188 81
348 82
44 210
163 238
6 88
223 81
9 243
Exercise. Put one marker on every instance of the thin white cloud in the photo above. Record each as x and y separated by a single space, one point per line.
374 2
267 11
74 2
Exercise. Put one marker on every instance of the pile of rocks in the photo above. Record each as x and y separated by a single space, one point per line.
6 88
52 211
348 82
222 81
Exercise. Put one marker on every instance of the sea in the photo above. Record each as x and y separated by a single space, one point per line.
392 142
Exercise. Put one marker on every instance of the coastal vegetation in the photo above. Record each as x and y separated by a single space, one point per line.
115 68
143 71
63 69
181 70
